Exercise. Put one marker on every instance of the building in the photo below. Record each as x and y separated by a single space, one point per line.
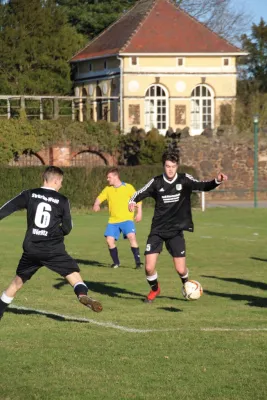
158 67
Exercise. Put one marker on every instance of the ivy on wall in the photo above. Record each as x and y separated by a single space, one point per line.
20 135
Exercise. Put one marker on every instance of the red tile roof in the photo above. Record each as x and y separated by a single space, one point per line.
155 26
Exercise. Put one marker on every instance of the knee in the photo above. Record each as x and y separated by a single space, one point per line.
132 239
110 241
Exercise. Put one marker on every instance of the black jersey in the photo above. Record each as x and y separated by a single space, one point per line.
48 215
173 201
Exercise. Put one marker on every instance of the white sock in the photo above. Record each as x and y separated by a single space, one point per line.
153 277
6 299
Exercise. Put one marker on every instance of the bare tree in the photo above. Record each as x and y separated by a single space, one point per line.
222 16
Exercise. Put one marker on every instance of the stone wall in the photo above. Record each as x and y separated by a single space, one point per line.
234 157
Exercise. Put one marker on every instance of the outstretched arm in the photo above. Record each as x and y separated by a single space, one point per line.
205 186
17 203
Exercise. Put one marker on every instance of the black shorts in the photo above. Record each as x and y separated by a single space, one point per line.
57 260
175 244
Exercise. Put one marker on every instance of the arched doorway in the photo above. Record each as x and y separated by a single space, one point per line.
202 109
27 159
156 108
88 159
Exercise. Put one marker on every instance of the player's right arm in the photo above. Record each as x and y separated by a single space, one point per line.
146 191
66 219
100 198
17 203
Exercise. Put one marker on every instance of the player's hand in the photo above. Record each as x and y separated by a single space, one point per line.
96 208
222 177
131 206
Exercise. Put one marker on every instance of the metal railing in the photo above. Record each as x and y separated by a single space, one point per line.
54 107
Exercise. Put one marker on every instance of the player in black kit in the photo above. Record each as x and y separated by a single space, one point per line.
48 221
172 216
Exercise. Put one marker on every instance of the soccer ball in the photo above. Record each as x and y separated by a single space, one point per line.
192 290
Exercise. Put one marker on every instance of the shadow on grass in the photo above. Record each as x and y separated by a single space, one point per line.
95 263
57 317
171 309
258 259
252 301
245 282
92 263
108 289
103 288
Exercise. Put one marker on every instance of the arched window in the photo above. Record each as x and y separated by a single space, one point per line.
202 109
156 108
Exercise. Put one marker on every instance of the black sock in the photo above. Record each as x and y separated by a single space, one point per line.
114 255
80 289
136 254
3 307
153 284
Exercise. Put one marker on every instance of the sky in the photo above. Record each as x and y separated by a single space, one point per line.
256 8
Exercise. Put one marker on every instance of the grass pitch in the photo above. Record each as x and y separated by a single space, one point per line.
214 348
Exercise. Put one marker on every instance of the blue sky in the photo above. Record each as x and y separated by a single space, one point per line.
256 8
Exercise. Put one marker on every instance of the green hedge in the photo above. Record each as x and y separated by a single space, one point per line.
81 185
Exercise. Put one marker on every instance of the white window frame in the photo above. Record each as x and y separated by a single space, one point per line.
153 109
193 100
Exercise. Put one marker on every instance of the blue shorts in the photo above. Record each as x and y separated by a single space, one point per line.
115 230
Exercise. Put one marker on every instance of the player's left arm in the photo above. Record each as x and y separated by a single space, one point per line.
66 224
17 203
205 186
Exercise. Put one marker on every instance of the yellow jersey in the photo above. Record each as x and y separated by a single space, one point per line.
118 198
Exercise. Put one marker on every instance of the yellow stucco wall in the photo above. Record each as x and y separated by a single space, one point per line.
178 81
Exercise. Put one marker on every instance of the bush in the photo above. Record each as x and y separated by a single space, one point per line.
20 135
81 185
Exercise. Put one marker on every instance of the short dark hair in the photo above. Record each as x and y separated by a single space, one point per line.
51 171
113 170
170 156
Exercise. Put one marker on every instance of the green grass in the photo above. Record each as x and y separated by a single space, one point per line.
184 357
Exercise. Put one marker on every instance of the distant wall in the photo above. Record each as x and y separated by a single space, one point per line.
234 157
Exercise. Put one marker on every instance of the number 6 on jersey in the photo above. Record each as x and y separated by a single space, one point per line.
42 216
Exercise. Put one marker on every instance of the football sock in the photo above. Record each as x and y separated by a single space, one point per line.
4 303
153 282
184 278
114 255
80 289
136 253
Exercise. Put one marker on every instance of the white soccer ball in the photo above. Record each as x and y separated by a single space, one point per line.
192 290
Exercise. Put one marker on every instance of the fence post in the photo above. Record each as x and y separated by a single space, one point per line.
41 110
256 122
56 108
8 109
203 201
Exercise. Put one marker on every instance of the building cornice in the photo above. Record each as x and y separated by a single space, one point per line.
237 54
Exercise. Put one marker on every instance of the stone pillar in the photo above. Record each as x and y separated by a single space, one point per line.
61 155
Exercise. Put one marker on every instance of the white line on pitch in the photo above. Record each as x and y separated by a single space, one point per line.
131 330
228 238
232 226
